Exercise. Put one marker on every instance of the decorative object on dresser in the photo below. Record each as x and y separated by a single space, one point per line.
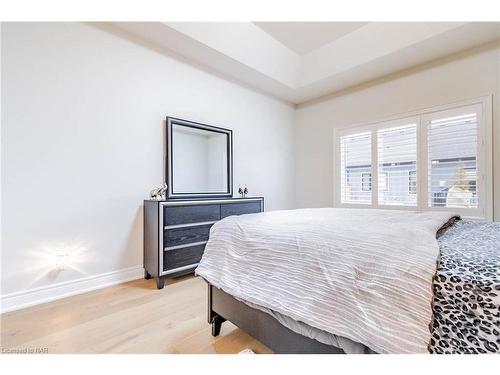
243 191
159 193
176 231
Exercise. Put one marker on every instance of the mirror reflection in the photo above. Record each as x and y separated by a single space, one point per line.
200 160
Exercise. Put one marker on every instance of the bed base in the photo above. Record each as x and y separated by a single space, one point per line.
261 326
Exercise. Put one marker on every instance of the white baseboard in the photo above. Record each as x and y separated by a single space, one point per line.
36 296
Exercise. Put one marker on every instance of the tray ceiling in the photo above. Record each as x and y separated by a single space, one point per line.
300 61
304 37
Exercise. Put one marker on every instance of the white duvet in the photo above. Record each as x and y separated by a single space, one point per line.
362 274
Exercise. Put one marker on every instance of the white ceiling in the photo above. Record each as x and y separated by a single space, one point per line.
303 37
300 61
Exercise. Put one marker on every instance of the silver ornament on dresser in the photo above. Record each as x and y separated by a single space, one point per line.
159 193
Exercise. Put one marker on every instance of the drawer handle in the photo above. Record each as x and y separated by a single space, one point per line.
185 245
178 269
189 225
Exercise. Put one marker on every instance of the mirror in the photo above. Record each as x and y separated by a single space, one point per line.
199 160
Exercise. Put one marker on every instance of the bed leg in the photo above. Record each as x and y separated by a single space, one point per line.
217 324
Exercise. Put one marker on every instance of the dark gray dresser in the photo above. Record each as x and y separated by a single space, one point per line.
176 231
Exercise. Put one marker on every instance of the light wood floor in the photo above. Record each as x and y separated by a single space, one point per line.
133 317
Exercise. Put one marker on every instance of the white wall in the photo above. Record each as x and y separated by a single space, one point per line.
83 142
470 76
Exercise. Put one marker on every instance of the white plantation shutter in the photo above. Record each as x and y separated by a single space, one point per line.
434 160
452 146
356 168
397 165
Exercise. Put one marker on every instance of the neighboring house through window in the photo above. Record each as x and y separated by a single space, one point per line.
366 181
412 182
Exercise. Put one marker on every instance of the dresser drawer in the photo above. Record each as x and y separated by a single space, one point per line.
186 235
175 215
182 257
239 208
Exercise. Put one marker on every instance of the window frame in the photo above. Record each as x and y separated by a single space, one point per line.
484 106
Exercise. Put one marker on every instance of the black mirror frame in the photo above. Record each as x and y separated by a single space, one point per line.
170 121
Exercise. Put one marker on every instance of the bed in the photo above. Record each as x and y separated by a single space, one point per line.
356 281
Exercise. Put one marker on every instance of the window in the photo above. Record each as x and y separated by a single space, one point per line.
366 181
434 160
355 154
412 182
397 156
452 148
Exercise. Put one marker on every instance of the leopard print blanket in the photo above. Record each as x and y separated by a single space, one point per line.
466 303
